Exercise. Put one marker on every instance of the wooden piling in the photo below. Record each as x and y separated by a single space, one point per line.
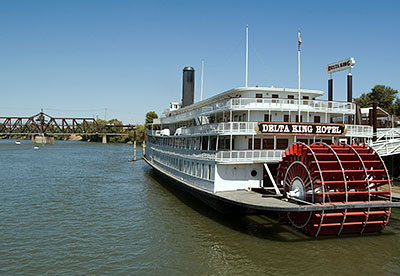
144 145
134 145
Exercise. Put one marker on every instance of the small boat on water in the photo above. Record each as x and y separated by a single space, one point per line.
18 142
36 147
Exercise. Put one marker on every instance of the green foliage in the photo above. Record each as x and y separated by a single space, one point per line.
384 96
140 130
364 100
150 116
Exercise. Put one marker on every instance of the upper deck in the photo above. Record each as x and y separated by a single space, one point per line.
261 99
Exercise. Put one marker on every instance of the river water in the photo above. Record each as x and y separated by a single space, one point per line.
77 208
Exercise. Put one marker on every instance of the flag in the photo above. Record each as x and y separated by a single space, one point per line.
299 39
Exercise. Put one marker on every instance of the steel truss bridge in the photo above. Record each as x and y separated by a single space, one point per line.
43 123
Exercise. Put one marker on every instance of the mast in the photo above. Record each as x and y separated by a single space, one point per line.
202 80
298 69
247 53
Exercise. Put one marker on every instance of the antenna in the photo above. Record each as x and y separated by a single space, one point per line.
247 53
202 80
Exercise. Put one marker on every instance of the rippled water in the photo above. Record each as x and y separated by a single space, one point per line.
82 208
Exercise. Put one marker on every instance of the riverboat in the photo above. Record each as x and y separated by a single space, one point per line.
253 150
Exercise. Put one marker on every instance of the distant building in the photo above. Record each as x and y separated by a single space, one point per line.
384 118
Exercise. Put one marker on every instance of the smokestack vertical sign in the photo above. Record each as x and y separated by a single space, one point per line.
341 65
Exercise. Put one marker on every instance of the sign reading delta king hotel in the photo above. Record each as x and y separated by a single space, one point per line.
301 129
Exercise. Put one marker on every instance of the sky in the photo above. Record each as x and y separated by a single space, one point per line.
121 59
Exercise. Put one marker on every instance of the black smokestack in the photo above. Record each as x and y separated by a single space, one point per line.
188 86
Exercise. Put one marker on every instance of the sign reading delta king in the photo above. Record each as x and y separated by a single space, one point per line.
301 129
341 65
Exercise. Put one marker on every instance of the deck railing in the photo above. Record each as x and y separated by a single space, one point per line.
274 104
249 156
249 128
358 131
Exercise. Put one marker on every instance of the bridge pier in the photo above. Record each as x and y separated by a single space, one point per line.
104 139
43 139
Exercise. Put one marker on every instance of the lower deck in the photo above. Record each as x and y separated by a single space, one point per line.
262 200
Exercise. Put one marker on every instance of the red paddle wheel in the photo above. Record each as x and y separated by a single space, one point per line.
325 174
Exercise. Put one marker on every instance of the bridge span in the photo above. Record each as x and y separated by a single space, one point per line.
43 125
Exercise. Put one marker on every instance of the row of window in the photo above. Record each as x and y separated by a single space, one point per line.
276 96
265 144
286 118
194 143
193 168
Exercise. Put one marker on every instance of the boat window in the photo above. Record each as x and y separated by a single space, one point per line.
297 118
209 172
268 143
282 143
227 144
213 144
259 96
305 98
291 97
267 117
286 118
257 143
317 119
275 96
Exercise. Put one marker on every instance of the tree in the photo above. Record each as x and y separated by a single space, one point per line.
383 96
364 100
150 116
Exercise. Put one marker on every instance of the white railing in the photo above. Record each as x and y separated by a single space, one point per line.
185 153
388 133
222 128
274 104
293 104
386 147
249 128
245 156
358 131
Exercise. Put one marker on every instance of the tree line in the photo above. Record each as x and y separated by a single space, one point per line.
140 130
384 96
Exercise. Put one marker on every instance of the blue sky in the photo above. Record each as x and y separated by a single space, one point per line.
76 58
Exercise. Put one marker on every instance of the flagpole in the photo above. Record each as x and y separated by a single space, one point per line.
247 54
298 69
202 80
